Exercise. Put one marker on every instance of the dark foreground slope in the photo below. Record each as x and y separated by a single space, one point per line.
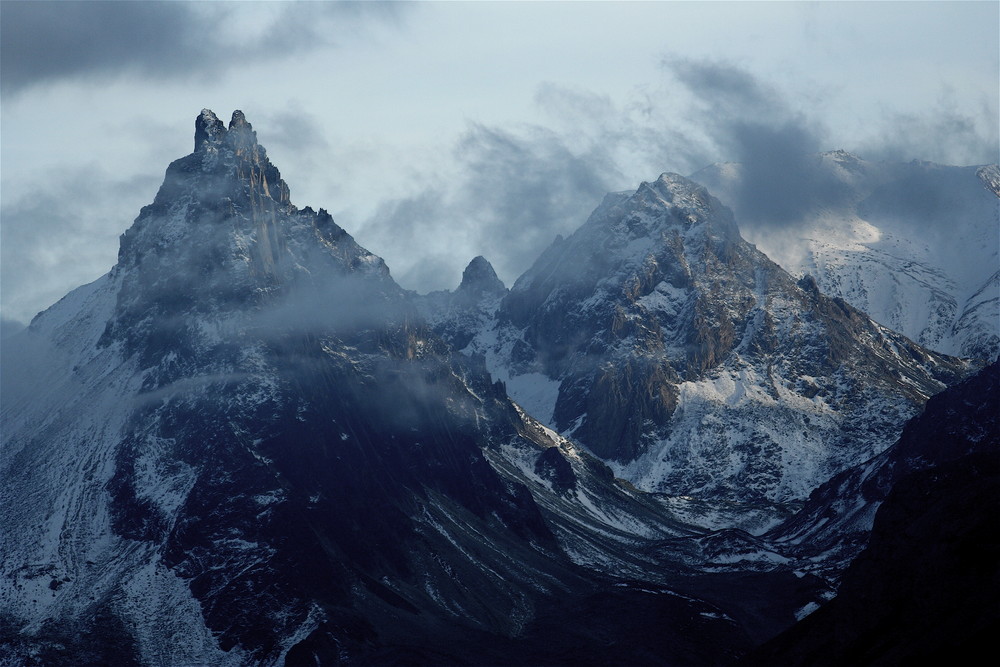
926 589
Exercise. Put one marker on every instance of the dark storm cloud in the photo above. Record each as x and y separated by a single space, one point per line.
751 123
44 42
731 91
517 191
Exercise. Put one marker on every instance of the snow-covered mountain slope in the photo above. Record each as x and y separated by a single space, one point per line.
680 354
243 446
836 520
914 245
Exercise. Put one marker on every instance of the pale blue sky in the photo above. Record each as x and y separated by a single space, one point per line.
426 128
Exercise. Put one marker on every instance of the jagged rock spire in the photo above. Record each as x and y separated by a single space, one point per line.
479 277
241 133
222 231
207 129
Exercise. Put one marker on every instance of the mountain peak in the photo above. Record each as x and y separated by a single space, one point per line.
222 234
670 200
241 133
207 129
676 192
238 120
480 277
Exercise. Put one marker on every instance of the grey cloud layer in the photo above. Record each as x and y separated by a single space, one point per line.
66 233
42 42
945 134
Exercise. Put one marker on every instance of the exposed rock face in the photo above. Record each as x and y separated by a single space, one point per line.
479 281
221 236
457 316
676 351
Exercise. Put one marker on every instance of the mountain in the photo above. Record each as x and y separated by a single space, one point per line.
678 353
962 422
247 445
244 445
915 245
457 315
925 586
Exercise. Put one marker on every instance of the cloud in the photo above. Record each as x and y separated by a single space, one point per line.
44 42
64 235
945 134
776 138
751 122
294 129
781 179
528 187
513 191
9 327
637 138
731 90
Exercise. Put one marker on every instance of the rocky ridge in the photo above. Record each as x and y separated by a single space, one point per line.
690 362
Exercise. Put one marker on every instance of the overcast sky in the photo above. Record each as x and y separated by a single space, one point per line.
435 132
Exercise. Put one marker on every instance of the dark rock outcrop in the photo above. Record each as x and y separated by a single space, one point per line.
926 584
